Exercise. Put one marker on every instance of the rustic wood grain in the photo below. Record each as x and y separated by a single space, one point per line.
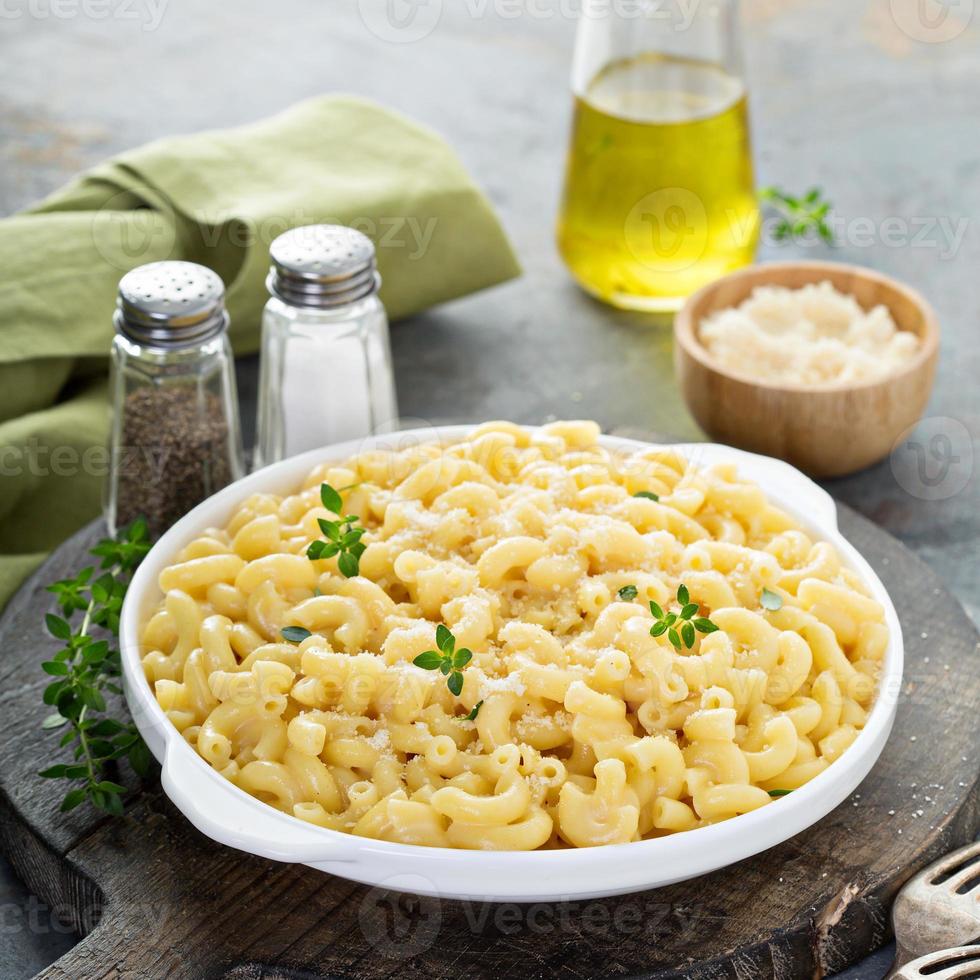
829 432
156 899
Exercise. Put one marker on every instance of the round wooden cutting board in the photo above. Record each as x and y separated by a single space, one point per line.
154 898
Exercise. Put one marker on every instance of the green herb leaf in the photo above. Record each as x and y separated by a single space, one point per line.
331 499
647 494
704 625
658 613
689 610
628 593
658 629
88 668
770 600
107 801
57 627
330 528
73 799
798 216
105 728
448 660
348 564
95 653
687 634
445 640
109 787
342 538
52 691
429 660
683 596
779 792
474 711
139 757
295 634
675 640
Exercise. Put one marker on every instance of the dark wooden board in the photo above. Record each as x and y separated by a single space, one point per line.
154 898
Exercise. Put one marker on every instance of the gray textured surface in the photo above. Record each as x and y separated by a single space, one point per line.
842 95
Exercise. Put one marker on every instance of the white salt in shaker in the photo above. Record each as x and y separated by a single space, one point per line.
325 372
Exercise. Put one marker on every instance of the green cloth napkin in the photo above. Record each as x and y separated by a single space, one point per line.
217 198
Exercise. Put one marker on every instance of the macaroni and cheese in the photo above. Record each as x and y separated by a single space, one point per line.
547 556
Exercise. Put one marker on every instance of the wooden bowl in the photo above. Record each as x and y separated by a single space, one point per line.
826 431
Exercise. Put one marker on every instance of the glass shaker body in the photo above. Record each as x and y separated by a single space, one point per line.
325 371
175 437
659 192
325 377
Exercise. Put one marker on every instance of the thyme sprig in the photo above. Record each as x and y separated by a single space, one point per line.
342 538
680 626
85 668
799 215
447 659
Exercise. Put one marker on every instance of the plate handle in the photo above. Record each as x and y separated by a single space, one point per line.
220 810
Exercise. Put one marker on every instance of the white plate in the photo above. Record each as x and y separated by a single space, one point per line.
229 815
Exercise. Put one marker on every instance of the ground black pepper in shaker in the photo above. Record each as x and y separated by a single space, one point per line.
175 435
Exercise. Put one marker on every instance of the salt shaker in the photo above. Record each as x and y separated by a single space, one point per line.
175 436
325 372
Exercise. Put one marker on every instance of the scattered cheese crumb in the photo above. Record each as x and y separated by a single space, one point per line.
380 740
494 685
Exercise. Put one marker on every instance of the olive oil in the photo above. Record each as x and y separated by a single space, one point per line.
659 195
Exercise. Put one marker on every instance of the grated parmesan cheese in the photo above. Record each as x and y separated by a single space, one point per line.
496 685
811 336
380 740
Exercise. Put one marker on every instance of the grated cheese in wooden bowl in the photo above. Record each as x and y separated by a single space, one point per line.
813 336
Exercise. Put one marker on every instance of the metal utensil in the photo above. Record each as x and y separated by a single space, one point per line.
939 908
959 963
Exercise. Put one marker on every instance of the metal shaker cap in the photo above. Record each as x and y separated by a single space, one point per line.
322 267
171 304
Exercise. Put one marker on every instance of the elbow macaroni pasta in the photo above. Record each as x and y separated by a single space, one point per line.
589 730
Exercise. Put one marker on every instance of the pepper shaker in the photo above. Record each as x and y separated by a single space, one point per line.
325 373
175 436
